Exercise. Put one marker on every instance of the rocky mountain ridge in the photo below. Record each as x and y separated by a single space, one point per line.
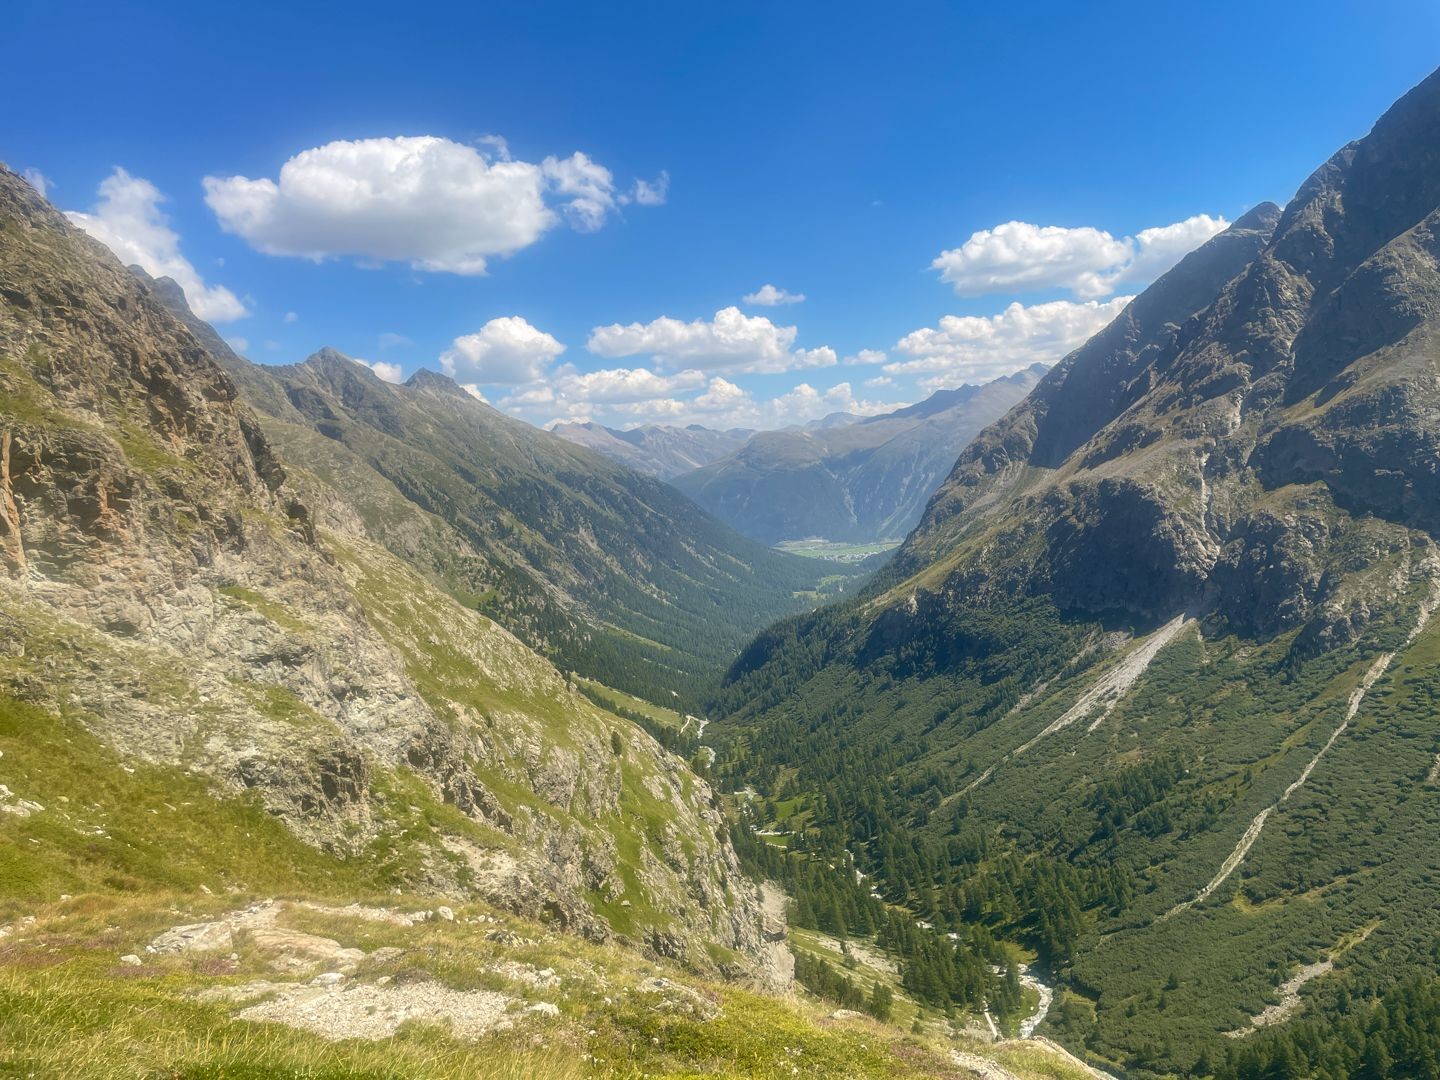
660 450
857 479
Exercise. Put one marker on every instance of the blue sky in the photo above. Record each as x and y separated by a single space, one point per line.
865 156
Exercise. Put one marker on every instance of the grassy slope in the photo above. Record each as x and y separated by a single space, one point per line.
73 899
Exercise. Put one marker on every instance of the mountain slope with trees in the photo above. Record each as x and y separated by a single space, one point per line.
1151 686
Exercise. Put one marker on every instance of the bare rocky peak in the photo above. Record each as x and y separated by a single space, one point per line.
1220 443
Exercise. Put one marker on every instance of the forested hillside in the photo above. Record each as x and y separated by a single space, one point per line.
1150 689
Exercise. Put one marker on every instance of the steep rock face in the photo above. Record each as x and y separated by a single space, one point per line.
856 479
170 585
1162 454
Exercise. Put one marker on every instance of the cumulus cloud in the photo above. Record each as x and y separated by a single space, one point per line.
866 356
731 340
626 398
1091 263
971 348
587 187
128 221
769 296
435 204
506 351
615 385
291 318
391 373
652 192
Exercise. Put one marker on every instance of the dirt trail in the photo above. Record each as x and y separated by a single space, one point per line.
1357 698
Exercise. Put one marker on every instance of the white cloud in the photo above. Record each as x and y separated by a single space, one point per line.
571 393
506 350
973 348
613 385
880 382
866 356
615 397
1018 256
435 204
769 296
732 340
390 340
474 391
588 187
128 221
291 317
652 193
239 344
1160 248
391 373
38 180
824 356
497 143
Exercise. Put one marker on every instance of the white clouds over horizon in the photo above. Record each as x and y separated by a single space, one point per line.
128 221
978 348
722 404
1020 257
426 201
505 351
731 341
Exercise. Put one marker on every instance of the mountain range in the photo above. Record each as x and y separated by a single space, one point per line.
608 572
855 479
1150 686
656 449
845 478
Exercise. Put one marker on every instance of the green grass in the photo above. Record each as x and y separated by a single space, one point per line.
835 551
618 699
278 614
